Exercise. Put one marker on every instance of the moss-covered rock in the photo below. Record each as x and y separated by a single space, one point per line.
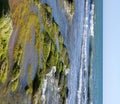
33 50
5 32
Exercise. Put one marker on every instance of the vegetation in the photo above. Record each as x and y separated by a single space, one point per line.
48 44
5 32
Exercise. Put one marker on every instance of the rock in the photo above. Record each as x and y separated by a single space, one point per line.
33 53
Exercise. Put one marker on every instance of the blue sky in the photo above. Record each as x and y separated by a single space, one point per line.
111 51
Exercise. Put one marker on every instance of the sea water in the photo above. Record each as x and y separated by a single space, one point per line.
96 93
